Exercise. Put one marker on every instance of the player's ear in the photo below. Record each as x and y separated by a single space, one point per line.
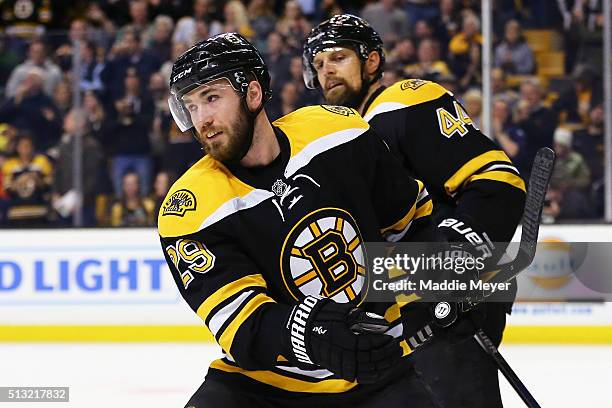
372 63
254 95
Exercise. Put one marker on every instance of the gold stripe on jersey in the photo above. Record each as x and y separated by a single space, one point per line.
402 223
309 124
226 292
424 210
405 348
403 94
503 176
462 176
285 382
227 337
217 193
413 213
315 129
392 313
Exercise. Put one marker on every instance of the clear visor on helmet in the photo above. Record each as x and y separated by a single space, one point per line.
200 100
308 64
308 73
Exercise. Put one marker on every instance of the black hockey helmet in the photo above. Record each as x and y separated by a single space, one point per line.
227 55
341 30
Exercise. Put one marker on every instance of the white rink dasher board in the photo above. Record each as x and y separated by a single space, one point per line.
116 282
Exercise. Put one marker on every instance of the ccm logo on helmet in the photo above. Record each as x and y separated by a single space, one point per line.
181 74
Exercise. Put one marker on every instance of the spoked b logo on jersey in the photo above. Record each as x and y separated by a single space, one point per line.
324 255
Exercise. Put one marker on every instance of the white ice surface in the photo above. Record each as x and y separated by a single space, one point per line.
165 375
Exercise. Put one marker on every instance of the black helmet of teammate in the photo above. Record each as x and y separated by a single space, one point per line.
227 55
341 30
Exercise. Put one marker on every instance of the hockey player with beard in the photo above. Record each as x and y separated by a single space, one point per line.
476 190
265 235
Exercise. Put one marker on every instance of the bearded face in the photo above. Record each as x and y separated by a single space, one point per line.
223 126
339 71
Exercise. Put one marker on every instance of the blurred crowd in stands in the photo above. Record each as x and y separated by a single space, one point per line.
547 82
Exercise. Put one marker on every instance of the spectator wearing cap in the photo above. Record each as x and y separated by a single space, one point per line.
571 171
513 54
27 179
567 196
37 58
389 20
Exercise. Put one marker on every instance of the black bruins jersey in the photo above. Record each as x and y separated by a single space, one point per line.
463 170
244 244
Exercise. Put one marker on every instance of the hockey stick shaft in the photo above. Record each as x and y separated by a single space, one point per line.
541 173
538 184
503 366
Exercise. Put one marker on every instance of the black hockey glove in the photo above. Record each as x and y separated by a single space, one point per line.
341 338
467 237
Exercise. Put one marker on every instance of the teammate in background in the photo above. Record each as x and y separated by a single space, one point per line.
264 238
474 185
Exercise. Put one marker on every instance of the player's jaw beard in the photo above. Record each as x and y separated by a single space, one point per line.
238 138
348 97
